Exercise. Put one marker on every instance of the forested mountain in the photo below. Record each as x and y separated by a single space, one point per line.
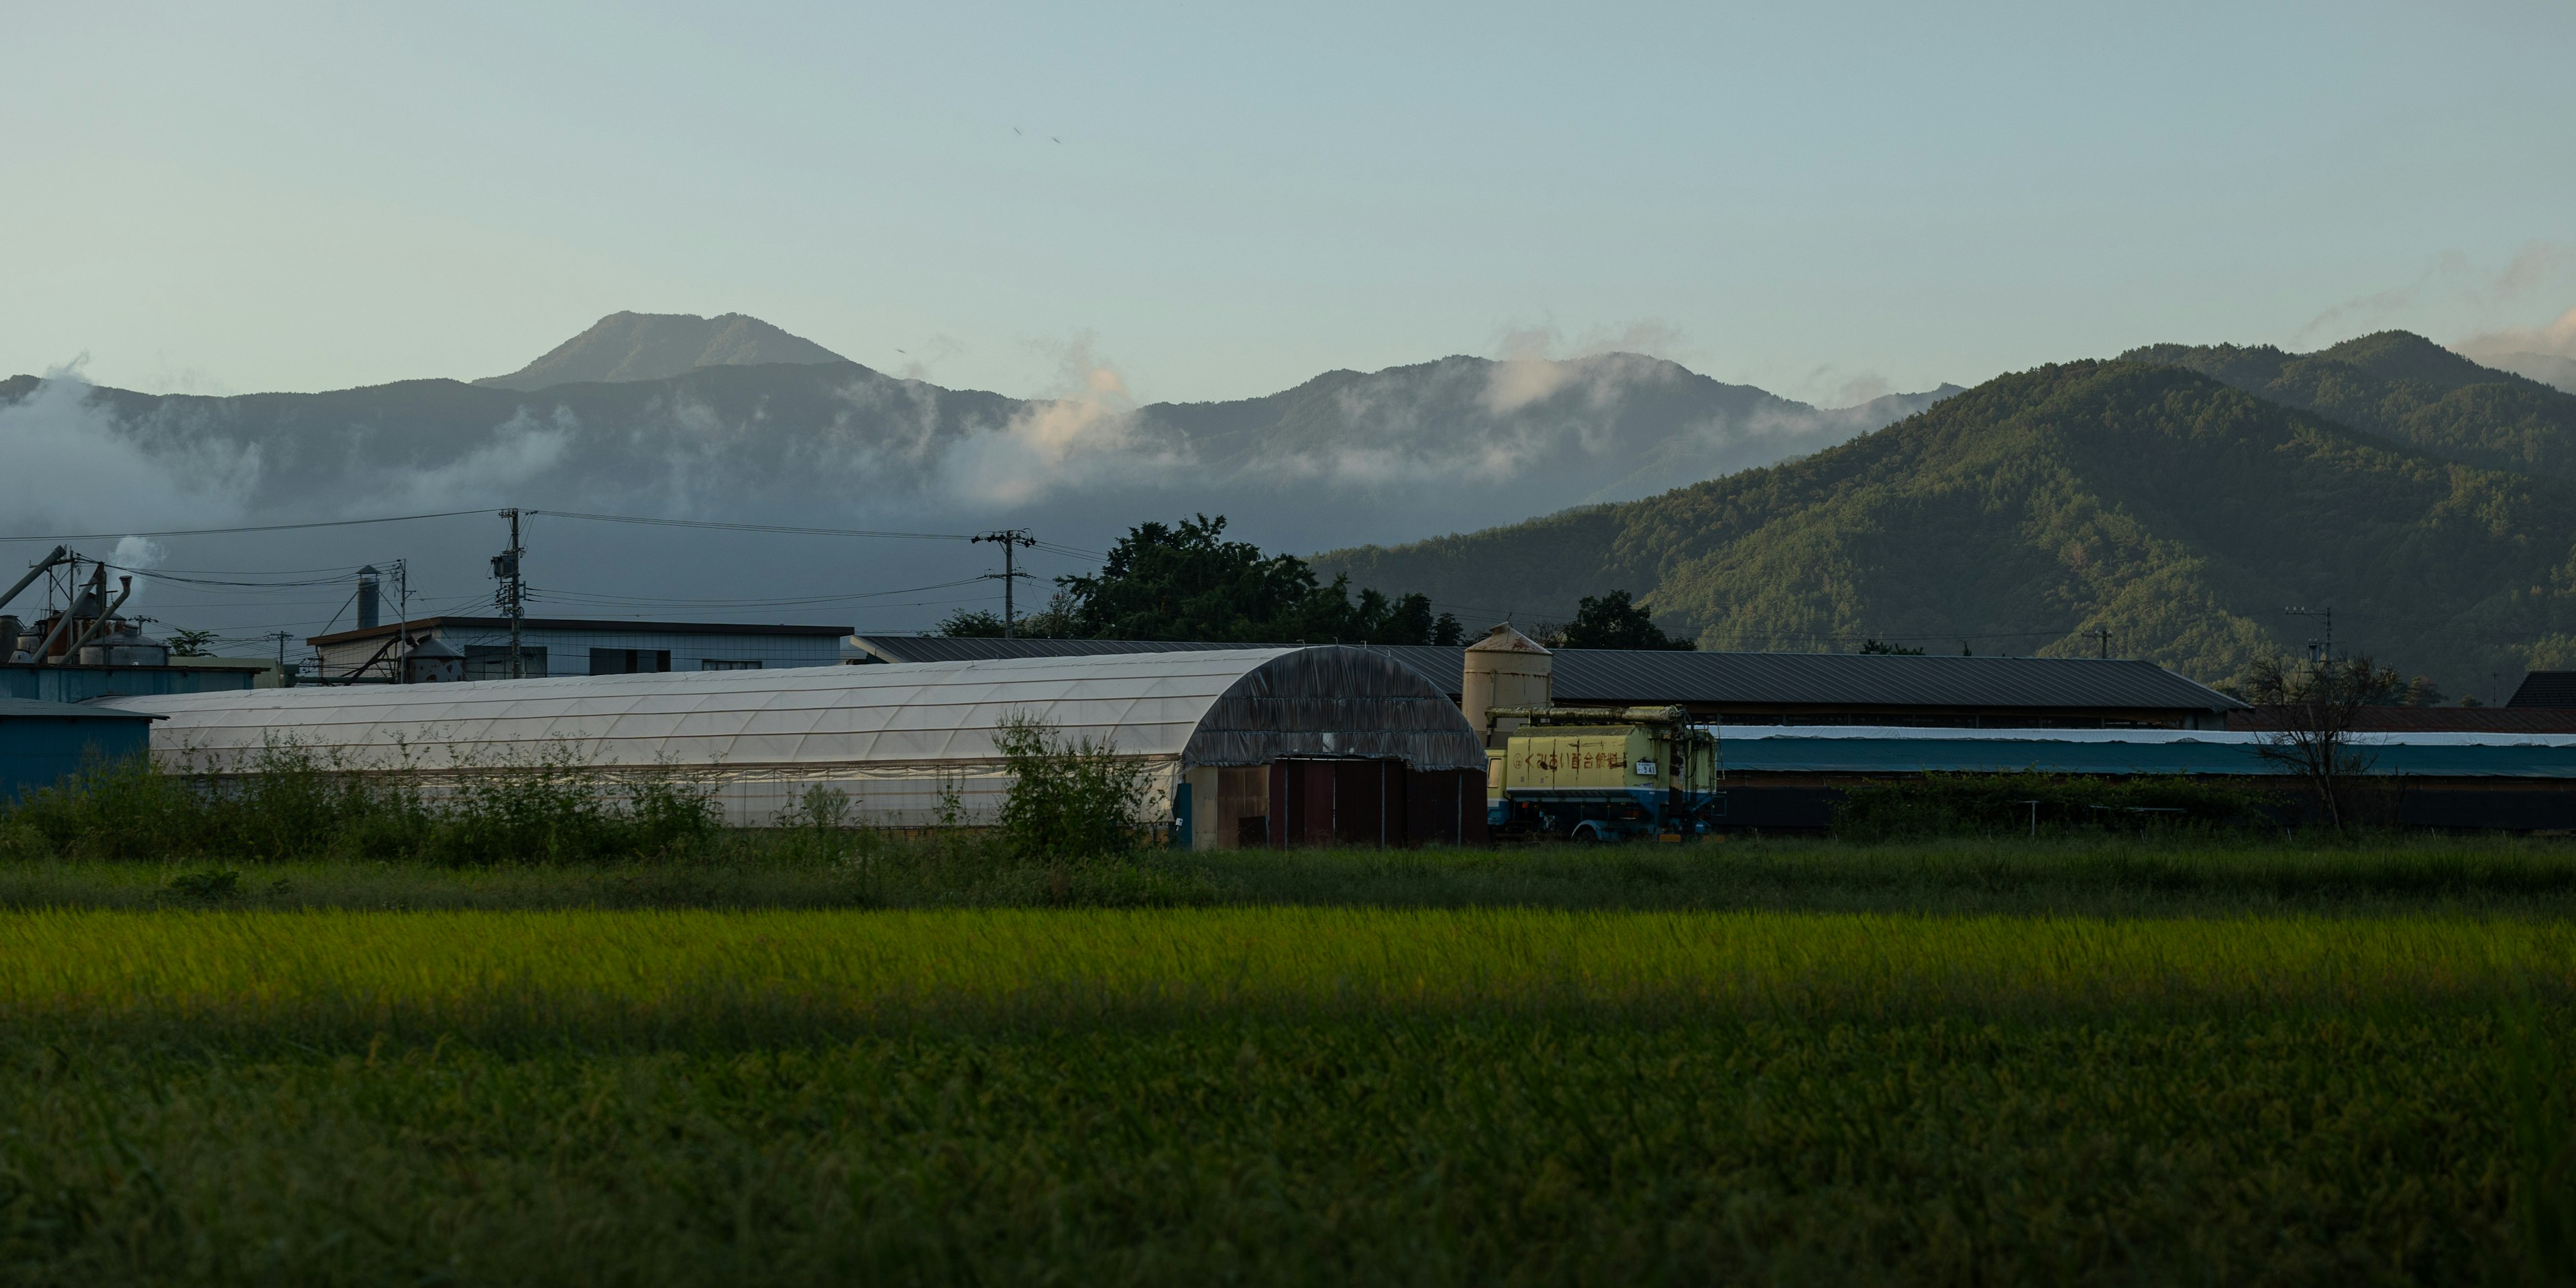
2157 503
2403 386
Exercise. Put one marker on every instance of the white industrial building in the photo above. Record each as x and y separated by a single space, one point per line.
558 646
1362 747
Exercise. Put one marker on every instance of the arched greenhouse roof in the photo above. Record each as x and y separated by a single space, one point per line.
1216 707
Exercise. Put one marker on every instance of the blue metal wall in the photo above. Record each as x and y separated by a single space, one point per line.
36 751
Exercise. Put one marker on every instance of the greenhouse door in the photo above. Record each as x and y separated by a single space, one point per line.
1337 802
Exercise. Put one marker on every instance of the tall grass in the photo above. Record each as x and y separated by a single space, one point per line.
1279 1096
537 977
292 805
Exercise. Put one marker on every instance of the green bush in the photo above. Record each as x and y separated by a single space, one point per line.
1938 805
1070 798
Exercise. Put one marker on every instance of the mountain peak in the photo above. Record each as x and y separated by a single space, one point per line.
655 346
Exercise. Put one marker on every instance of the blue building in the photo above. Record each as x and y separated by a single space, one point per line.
40 742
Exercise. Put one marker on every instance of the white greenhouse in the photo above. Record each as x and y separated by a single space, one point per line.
1364 748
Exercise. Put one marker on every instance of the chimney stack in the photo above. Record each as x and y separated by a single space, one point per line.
370 610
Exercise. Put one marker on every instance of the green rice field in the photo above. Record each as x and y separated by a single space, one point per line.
1282 1094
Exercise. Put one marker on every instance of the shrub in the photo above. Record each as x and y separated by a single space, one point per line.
295 805
1070 799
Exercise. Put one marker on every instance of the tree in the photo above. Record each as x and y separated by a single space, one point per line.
2309 714
1187 582
190 643
1071 798
1894 650
1610 621
972 624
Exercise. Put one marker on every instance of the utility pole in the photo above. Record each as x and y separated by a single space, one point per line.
402 627
2102 633
2328 615
512 597
1010 539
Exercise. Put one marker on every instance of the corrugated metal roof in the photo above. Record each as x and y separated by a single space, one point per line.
1601 676
1851 749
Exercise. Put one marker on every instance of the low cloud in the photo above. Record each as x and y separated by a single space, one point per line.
522 451
2556 339
1533 363
72 469
1084 435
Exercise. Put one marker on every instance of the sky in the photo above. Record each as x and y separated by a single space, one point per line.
1828 201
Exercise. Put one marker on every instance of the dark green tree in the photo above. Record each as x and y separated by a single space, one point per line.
1610 621
1875 645
972 624
1187 582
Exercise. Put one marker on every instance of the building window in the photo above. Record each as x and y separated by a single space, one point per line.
629 661
492 662
728 664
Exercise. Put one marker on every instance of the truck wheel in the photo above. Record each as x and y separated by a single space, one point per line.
1591 834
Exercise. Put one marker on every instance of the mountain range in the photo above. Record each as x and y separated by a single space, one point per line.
2178 498
2169 503
722 417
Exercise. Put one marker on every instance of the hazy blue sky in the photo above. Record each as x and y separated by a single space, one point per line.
248 197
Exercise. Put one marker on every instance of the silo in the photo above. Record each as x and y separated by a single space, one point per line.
1504 669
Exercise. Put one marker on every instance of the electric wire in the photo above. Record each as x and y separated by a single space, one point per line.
264 527
748 527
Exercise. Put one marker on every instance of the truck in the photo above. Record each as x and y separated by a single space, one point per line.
1603 774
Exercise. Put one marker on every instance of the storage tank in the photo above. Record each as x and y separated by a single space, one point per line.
125 644
1504 669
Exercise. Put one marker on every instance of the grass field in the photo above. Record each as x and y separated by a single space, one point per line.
1973 1063
2089 876
1275 1095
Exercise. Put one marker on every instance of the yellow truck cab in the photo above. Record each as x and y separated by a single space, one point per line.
1603 774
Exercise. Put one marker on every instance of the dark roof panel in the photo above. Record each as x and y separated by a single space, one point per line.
602 625
39 709
1737 679
2545 689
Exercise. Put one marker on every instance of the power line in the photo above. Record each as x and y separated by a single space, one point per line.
265 527
747 527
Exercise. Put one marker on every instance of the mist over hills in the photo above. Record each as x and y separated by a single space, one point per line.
1394 455
2168 506
1387 455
